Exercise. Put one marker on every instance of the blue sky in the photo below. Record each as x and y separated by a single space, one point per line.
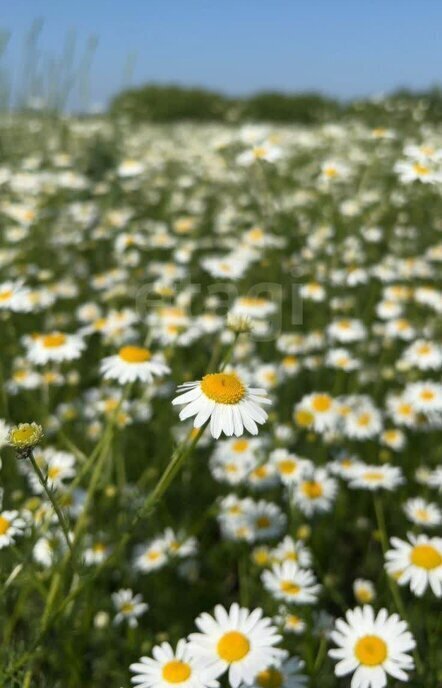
340 47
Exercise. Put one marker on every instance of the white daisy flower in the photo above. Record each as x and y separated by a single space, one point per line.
417 563
151 556
133 363
172 668
291 584
14 297
423 513
129 607
374 477
289 622
372 647
289 467
364 591
11 526
315 492
238 641
292 550
288 675
55 347
230 404
424 396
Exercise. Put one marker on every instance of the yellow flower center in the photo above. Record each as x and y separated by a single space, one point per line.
233 646
321 403
422 514
427 395
224 388
269 678
420 169
127 608
426 557
6 295
53 341
424 349
259 152
262 522
287 466
240 446
4 525
370 650
364 420
134 354
312 489
364 595
303 418
331 172
289 587
54 472
25 433
176 671
373 476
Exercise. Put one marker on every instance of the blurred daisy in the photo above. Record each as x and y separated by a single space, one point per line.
291 584
129 607
55 347
14 297
288 675
172 668
133 363
11 526
238 641
230 404
424 396
364 591
151 556
288 466
375 477
315 492
372 647
290 623
423 513
417 563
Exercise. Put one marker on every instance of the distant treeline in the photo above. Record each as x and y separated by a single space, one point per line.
172 103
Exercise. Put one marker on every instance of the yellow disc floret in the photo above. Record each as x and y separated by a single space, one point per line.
176 671
370 650
224 388
233 646
134 354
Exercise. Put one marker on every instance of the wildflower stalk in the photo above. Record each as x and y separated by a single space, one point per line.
44 483
320 655
394 589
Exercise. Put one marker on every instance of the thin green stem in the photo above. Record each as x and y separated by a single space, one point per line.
44 483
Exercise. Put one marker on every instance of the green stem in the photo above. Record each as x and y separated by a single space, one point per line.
44 483
321 654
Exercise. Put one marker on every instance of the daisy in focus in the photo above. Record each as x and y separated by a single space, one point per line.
238 641
372 647
133 363
226 400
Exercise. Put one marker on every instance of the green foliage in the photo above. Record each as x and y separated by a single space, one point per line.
308 108
170 103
